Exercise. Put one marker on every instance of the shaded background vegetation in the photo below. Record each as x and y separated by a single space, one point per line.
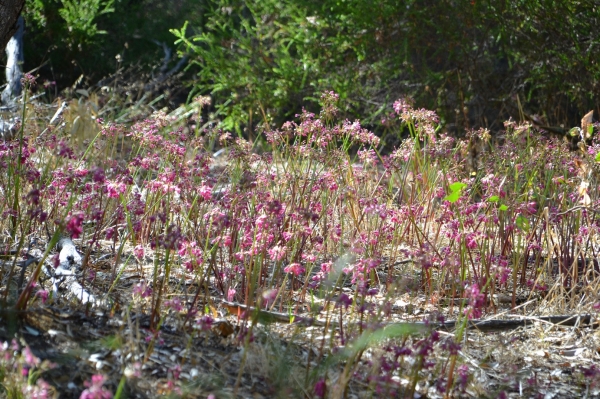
476 63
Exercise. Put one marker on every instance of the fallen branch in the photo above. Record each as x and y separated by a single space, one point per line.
511 324
69 260
65 273
481 325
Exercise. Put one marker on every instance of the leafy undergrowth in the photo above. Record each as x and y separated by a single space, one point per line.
319 268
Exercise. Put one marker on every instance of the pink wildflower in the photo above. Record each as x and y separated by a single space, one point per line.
95 390
75 225
174 304
142 290
295 268
231 294
277 253
205 192
138 252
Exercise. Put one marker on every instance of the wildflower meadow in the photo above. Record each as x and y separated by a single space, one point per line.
310 262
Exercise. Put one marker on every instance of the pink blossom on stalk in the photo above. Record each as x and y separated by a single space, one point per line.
81 172
262 222
64 150
403 105
41 390
356 132
269 296
295 268
227 241
189 266
502 273
164 183
320 388
471 241
202 101
110 232
277 253
274 136
329 100
476 302
142 290
205 323
98 175
28 79
231 294
368 157
154 336
531 208
191 249
95 390
170 240
205 192
111 129
462 379
75 225
224 138
326 267
182 251
174 304
43 294
343 301
176 371
30 358
309 258
33 197
114 188
138 252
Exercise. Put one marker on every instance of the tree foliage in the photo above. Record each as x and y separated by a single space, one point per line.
476 62
472 61
67 39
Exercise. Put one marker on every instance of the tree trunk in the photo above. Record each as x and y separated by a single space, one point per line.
9 13
14 63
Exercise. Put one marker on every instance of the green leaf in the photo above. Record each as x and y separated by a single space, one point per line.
455 192
597 158
574 132
458 186
522 223
493 198
503 207
452 197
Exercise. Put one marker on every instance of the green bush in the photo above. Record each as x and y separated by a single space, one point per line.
78 17
66 39
262 61
476 63
256 60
